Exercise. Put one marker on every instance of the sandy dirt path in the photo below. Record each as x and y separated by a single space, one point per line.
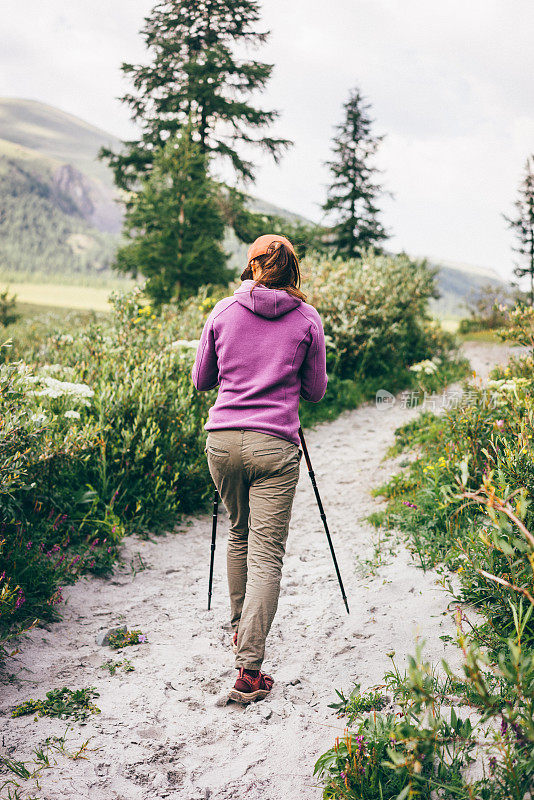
163 732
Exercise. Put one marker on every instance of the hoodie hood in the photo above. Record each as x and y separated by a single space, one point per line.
269 303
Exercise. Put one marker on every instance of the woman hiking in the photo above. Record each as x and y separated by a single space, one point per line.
264 347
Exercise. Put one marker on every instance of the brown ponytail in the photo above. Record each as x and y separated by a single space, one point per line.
279 270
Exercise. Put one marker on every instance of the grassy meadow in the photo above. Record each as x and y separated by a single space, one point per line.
37 292
35 296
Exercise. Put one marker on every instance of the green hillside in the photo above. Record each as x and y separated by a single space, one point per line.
59 209
56 135
41 227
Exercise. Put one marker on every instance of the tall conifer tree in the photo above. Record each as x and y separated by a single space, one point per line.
523 227
353 194
175 225
194 76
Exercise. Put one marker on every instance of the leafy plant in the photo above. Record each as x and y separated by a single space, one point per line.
113 666
63 703
357 703
122 639
378 760
375 313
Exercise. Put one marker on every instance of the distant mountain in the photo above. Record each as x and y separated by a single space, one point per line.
457 283
58 208
56 135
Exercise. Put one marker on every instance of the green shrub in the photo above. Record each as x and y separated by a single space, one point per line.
465 504
102 433
475 453
8 308
39 444
375 313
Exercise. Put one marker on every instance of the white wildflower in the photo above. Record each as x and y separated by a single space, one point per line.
71 414
510 385
427 366
53 369
329 342
192 343
64 338
38 417
56 388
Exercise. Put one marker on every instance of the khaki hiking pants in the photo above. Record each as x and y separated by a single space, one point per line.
256 475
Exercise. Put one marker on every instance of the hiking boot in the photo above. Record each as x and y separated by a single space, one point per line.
251 685
234 642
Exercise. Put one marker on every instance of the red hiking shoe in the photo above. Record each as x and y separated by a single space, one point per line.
234 642
250 686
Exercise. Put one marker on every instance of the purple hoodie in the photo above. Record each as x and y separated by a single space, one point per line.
263 351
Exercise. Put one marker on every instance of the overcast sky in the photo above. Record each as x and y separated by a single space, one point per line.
450 84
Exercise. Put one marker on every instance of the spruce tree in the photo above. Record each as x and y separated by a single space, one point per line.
175 225
195 77
352 196
523 227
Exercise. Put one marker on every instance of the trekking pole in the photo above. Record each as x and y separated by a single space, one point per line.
213 536
323 515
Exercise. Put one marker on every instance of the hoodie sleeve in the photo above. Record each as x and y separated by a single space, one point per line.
205 369
313 371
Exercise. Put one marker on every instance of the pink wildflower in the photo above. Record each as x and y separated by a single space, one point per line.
20 599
